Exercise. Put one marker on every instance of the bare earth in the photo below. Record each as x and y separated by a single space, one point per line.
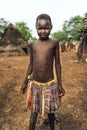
13 112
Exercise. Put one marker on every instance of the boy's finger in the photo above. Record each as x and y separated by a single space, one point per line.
22 92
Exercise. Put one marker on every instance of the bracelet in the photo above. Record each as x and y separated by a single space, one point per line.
29 77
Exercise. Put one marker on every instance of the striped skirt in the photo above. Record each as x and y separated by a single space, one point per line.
43 97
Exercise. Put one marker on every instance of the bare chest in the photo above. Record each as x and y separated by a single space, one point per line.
43 50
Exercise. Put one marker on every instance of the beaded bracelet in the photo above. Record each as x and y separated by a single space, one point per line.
29 77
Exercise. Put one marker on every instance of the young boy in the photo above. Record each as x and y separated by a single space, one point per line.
44 91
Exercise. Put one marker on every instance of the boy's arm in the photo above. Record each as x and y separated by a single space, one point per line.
58 69
29 72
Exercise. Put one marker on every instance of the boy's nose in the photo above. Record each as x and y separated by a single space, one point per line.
43 30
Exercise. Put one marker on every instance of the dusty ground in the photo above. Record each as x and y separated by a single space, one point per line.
13 113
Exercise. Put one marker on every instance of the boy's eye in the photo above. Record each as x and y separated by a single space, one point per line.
39 28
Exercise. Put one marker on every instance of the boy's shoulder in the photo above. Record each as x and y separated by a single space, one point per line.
32 43
55 42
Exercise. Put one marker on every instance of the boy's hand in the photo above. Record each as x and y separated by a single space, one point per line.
23 88
61 91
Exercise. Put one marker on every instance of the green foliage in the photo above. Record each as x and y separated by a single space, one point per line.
3 25
61 36
24 30
70 29
20 26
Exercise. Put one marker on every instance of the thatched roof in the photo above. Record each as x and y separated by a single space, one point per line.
12 42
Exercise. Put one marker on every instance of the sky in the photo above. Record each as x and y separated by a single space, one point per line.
27 11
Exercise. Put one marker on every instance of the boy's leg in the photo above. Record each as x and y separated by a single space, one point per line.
33 119
51 117
46 121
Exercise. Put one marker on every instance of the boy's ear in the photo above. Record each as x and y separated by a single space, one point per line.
51 26
36 26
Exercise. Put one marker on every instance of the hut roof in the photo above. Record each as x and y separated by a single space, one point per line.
11 39
11 36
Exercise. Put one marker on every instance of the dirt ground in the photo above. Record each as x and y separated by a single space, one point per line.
13 112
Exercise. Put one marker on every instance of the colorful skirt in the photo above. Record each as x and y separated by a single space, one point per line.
43 97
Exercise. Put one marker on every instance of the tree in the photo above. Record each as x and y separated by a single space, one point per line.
73 26
3 25
24 30
61 36
70 29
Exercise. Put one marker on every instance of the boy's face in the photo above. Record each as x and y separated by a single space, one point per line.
43 28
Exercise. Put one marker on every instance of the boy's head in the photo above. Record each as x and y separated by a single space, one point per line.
45 17
43 26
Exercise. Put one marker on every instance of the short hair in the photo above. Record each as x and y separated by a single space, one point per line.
44 16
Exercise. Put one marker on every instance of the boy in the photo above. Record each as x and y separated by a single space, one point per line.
44 90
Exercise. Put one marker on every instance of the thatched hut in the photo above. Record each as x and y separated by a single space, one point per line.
12 43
